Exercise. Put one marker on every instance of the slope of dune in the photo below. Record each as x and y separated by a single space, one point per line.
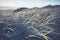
29 23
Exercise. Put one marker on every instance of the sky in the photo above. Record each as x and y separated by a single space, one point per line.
28 3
